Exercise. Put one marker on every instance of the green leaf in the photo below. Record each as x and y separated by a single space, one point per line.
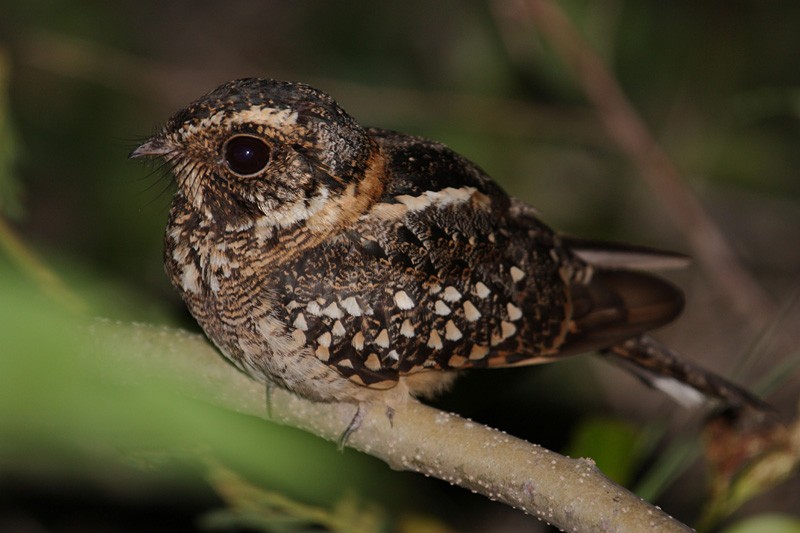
611 443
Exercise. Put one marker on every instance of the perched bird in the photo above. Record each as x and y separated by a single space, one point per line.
349 264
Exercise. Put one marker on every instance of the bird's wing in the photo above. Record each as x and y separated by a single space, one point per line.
446 271
436 275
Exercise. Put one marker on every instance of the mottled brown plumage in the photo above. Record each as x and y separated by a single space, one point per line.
356 265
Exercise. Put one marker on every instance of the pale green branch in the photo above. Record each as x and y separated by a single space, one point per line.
569 493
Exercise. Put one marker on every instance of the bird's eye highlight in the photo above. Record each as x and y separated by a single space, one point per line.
246 155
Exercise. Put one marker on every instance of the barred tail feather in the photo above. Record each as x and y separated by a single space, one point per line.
686 383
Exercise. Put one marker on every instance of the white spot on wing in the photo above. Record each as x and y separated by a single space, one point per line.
516 274
300 322
338 329
407 329
471 312
451 332
451 294
324 339
382 339
358 341
351 306
514 312
481 290
435 341
393 355
313 308
440 308
402 300
333 311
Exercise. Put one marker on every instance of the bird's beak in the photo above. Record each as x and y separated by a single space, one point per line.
153 147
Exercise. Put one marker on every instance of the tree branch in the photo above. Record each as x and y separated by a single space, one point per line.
569 493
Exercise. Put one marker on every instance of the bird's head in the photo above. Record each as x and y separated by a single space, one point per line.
263 148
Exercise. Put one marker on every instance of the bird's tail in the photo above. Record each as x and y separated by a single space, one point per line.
688 384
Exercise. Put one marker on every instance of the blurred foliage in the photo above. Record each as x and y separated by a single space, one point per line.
771 523
612 444
70 411
81 82
9 186
255 508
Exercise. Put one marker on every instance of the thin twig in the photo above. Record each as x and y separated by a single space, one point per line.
569 493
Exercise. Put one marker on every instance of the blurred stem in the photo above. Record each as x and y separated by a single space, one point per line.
633 137
571 494
9 187
250 504
32 266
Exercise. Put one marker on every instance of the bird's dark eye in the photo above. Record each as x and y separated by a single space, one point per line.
246 155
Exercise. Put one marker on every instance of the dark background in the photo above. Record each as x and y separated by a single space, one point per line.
717 82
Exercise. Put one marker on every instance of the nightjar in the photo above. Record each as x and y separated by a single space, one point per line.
349 264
